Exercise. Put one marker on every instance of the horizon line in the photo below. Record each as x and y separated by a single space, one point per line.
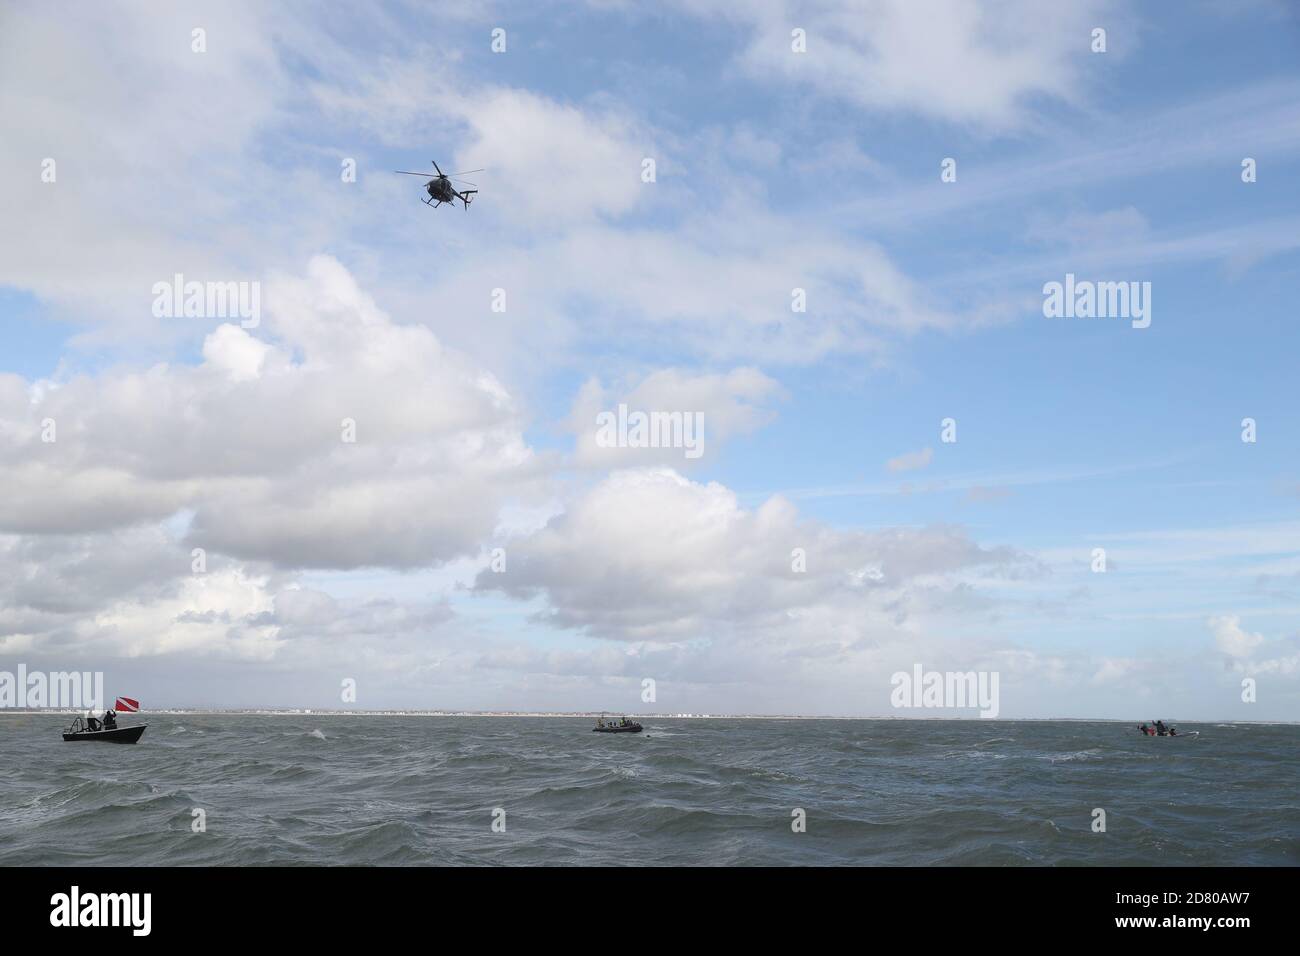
401 712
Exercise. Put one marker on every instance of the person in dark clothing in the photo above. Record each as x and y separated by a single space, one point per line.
1161 729
92 724
110 720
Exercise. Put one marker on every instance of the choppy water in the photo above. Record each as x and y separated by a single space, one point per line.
422 790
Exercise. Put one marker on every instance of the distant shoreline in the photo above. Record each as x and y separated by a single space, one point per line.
592 715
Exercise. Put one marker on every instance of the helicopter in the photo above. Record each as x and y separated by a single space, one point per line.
441 189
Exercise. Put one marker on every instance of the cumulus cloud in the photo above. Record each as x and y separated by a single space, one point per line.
648 554
1250 652
1231 638
256 443
127 592
140 592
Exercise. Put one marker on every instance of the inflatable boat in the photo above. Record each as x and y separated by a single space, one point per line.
629 728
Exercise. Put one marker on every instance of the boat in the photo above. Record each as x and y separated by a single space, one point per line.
1172 732
631 727
118 735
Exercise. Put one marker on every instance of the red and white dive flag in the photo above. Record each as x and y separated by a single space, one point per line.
125 705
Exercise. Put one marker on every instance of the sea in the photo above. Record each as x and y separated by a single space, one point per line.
227 790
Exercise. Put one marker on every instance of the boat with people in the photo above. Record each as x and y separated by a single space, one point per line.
620 726
1158 728
106 730
116 735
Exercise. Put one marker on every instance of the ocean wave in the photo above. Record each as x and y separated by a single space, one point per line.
1092 753
405 792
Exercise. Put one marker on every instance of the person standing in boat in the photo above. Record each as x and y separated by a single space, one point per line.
110 720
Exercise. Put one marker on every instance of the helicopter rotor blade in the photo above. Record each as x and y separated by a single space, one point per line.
465 181
409 173
435 166
464 171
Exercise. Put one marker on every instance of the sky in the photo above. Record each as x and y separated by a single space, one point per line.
825 231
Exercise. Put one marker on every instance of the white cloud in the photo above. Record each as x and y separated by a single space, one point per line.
1252 653
1231 638
1112 670
252 440
911 460
548 164
648 554
148 138
135 593
235 352
983 65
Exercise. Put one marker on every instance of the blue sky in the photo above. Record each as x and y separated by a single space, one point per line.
776 170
